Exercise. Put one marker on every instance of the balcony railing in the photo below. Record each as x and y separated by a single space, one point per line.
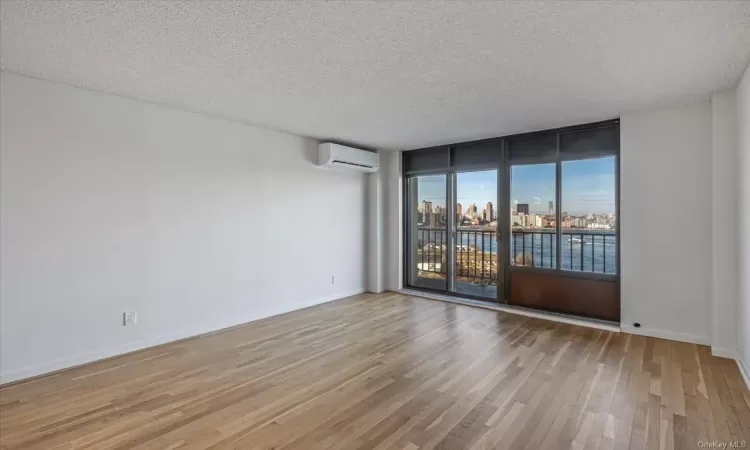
476 252
475 255
582 251
431 253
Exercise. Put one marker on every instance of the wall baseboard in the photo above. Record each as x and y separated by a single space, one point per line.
663 334
130 347
743 371
725 352
735 355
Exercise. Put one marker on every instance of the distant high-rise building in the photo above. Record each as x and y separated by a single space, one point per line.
551 206
426 207
529 219
459 213
490 212
471 211
522 208
440 213
433 220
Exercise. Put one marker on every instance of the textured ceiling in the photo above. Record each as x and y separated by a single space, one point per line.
386 74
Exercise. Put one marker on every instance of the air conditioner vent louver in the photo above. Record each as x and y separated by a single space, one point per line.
352 164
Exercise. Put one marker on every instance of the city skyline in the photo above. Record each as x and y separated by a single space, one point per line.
588 186
520 216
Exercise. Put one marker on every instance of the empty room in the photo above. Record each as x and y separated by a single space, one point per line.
374 224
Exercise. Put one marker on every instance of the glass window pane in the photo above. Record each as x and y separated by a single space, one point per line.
533 216
428 231
476 233
589 223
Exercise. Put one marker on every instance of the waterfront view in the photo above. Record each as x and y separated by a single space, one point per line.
476 249
588 223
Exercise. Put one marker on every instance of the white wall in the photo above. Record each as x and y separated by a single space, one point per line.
665 207
743 150
111 205
724 223
375 245
393 231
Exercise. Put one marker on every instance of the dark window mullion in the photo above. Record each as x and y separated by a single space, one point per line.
558 210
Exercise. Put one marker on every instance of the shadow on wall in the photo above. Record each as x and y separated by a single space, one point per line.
311 151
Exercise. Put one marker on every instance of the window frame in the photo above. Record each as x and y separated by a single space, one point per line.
504 165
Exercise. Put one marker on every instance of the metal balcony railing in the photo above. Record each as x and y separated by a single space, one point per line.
476 251
476 255
582 251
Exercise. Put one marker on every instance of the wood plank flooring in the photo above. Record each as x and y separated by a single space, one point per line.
388 371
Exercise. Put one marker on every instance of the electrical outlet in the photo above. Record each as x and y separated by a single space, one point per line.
129 318
333 279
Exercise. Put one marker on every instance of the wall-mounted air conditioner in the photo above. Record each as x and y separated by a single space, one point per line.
339 156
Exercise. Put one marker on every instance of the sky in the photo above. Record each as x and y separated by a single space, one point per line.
588 186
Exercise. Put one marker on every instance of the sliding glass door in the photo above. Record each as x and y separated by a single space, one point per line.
428 231
466 259
476 236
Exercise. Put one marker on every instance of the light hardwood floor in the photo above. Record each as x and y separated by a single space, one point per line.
388 371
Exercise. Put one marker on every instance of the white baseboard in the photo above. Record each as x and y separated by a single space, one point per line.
663 334
735 355
725 353
743 371
88 357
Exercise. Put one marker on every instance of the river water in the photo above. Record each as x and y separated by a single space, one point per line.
585 250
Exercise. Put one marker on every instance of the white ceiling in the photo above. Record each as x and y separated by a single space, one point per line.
386 74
